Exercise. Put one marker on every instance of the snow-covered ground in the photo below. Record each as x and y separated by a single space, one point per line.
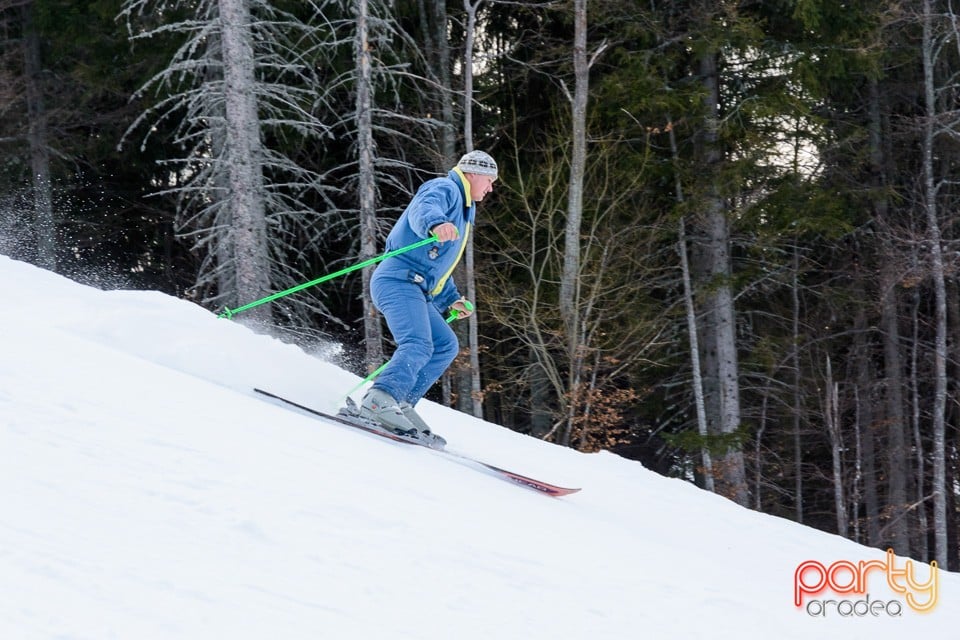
146 492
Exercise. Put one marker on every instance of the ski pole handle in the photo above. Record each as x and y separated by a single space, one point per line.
455 313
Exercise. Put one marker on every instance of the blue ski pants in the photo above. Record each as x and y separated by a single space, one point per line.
426 345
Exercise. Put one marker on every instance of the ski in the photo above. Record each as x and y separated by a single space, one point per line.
522 480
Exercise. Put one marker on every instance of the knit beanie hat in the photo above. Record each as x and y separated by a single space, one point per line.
478 162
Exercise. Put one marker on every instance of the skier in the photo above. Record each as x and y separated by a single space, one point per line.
415 291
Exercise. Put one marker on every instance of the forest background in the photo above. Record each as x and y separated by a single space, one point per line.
722 241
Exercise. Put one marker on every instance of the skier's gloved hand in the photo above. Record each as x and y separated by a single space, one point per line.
460 309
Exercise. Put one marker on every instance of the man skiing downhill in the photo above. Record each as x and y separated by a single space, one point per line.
415 291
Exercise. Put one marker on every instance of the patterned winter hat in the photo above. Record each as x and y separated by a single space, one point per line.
478 162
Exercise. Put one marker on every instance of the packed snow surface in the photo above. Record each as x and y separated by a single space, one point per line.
147 492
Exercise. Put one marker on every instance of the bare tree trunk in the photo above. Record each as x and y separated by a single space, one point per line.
797 393
866 376
541 418
698 399
895 532
470 397
440 56
433 24
866 416
570 278
43 223
444 70
570 271
953 319
708 479
471 8
244 155
937 273
366 184
217 134
475 404
758 467
898 461
831 414
920 544
856 489
720 294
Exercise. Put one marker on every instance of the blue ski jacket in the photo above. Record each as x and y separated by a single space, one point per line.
444 199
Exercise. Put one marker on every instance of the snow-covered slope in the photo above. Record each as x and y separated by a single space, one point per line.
146 492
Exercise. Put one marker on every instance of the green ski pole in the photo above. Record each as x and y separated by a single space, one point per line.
229 313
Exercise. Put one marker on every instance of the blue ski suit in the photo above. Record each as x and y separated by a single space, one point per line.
414 290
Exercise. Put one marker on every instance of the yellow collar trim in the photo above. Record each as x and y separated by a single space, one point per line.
463 245
468 197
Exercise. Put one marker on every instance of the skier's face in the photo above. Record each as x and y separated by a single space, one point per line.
480 186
